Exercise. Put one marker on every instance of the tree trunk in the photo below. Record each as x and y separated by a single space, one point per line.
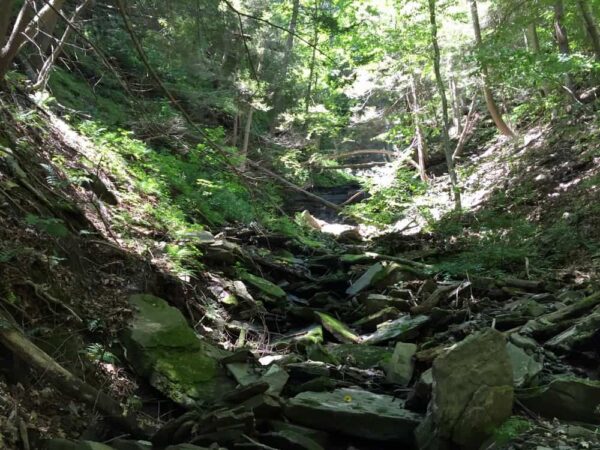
285 65
456 106
236 128
247 130
590 25
44 72
314 57
533 41
5 15
25 29
562 40
442 92
422 153
487 92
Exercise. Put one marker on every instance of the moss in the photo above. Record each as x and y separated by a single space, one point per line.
337 328
510 429
265 286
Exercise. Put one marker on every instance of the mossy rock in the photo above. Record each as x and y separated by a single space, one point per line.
161 346
265 286
338 329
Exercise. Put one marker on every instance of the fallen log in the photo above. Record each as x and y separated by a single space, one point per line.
23 349
293 187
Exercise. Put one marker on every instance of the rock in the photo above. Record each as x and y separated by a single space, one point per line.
243 393
243 373
420 395
374 272
187 447
402 329
354 412
370 323
578 335
264 406
524 342
320 437
340 331
277 378
565 398
307 219
400 368
265 286
66 444
161 346
361 356
376 302
307 370
122 444
384 274
305 337
99 187
525 367
472 393
289 440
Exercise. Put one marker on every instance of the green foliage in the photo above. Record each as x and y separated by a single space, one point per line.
387 203
512 428
50 225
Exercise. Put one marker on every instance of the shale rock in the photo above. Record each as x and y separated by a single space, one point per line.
472 393
161 346
354 412
400 368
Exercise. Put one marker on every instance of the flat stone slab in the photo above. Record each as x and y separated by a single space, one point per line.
404 328
354 412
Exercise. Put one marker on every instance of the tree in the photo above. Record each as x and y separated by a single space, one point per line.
590 26
487 92
25 29
422 151
562 40
442 93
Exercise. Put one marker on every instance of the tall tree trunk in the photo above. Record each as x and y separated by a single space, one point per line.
456 105
590 25
26 27
562 40
442 91
236 129
5 15
44 71
285 65
247 130
533 41
487 92
422 151
313 60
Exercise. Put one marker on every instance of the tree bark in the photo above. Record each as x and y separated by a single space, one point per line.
487 92
590 25
246 142
5 15
442 92
562 41
313 58
422 151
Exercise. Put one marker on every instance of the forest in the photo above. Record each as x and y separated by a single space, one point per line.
300 224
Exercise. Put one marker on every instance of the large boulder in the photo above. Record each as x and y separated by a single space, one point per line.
354 412
472 393
565 398
161 346
401 366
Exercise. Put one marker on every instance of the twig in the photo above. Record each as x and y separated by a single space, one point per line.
40 292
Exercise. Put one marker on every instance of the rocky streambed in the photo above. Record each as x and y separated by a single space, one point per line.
302 346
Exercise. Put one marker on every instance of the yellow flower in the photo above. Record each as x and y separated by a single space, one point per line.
347 398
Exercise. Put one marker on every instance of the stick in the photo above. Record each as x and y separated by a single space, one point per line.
64 380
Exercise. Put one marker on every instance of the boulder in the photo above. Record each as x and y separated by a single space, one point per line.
125 444
402 329
374 303
525 367
161 346
290 440
472 393
276 378
401 366
354 412
565 398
